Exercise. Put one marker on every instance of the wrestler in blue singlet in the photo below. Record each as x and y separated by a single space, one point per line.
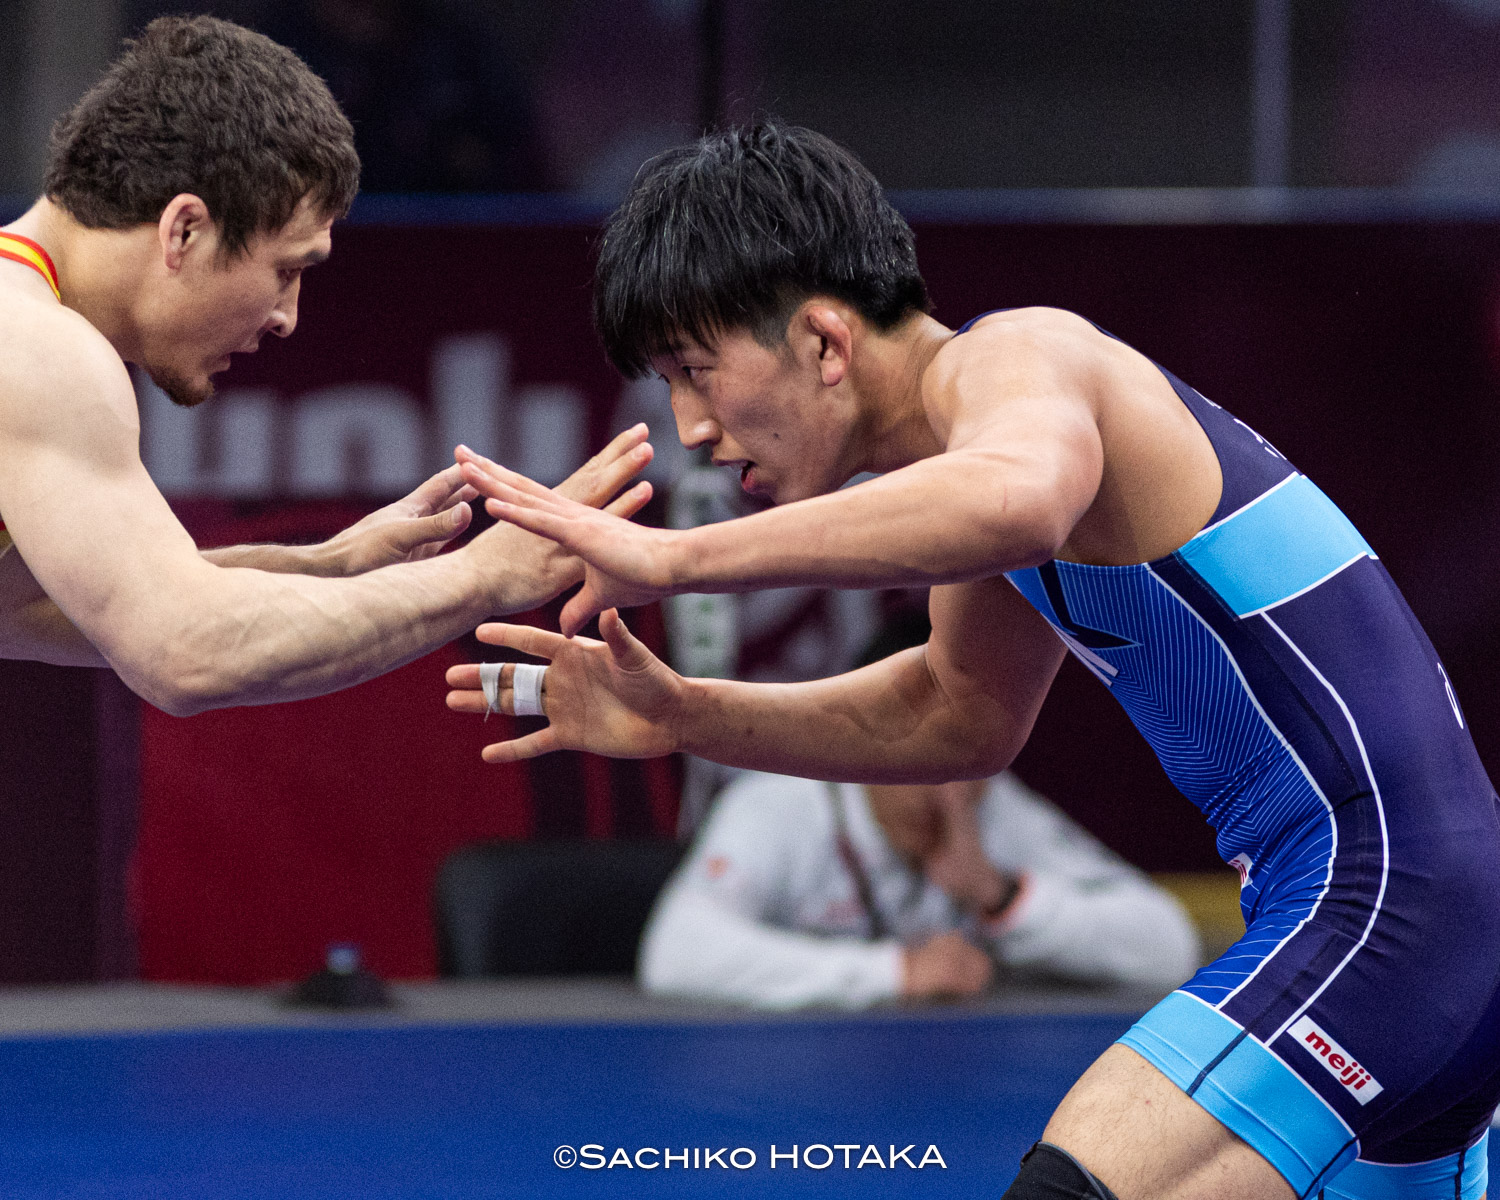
1352 1036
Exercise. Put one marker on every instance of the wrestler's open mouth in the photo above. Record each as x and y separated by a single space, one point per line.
745 466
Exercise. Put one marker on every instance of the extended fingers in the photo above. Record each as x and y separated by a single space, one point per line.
441 491
528 639
464 675
628 650
422 537
469 693
507 492
632 501
622 442
579 611
597 482
604 474
543 741
468 701
518 494
449 521
533 520
483 473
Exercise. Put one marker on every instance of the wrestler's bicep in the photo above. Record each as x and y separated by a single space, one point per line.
993 657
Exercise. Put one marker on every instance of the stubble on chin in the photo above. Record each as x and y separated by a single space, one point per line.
179 391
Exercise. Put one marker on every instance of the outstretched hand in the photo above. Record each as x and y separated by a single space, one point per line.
612 697
525 569
624 564
413 528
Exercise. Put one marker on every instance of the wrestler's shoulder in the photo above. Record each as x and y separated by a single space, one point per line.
52 359
1051 334
1020 349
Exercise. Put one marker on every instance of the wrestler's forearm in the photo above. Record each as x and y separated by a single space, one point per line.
280 560
948 519
39 632
888 723
248 637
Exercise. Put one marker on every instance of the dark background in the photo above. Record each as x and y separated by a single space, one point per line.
1366 353
1292 204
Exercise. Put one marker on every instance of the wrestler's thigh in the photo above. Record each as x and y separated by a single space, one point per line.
1146 1140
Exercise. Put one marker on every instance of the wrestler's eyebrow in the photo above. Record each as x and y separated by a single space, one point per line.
300 262
683 345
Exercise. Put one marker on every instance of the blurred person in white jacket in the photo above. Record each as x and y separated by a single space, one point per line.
805 893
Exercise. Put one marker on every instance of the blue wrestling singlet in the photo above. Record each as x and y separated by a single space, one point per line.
1352 1036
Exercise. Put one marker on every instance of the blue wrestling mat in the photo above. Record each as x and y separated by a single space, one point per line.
401 1112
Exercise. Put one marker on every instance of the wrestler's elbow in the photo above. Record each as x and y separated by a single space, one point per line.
176 692
978 745
175 679
985 761
179 698
199 683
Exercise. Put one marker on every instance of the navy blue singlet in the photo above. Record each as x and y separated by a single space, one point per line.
1290 693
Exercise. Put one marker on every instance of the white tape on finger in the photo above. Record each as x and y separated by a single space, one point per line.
489 680
526 686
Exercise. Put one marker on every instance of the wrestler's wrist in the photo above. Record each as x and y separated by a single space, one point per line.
678 561
559 572
330 559
487 595
692 698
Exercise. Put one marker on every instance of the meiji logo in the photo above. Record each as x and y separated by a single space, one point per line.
1242 864
1340 1063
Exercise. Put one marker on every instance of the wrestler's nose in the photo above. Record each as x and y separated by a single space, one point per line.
284 316
694 426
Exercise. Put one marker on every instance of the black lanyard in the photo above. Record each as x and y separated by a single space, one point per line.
878 928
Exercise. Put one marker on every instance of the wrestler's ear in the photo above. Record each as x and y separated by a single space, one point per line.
185 226
834 338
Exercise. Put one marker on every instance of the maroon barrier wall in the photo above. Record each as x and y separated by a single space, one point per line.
1367 354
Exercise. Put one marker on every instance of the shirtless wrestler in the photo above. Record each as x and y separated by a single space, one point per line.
185 195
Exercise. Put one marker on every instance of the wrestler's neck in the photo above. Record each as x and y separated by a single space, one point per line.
896 426
101 273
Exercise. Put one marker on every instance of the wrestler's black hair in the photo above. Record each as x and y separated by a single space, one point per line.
201 105
735 230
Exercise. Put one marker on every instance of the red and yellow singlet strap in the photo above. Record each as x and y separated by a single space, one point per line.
23 250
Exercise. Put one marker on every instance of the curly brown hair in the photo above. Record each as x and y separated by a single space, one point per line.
201 105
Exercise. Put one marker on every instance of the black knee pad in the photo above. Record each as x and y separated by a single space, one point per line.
1049 1172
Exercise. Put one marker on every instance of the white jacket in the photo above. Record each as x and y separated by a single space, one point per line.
763 911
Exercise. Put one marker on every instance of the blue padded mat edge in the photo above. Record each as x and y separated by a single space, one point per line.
417 1112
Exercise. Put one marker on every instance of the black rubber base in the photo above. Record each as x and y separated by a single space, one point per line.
340 989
